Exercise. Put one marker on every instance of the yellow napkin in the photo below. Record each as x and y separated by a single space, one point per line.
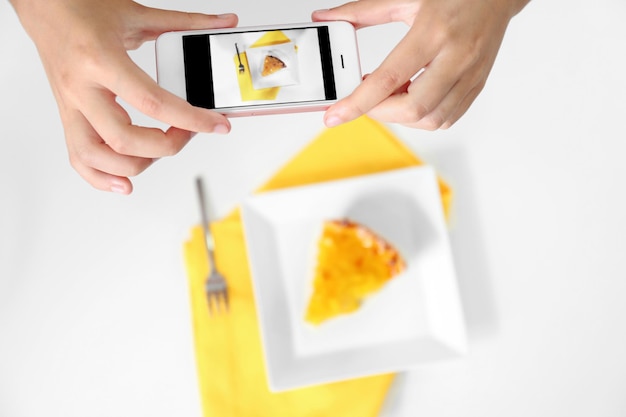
356 148
229 357
246 88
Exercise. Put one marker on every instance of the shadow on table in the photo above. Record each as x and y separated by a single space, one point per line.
468 247
470 258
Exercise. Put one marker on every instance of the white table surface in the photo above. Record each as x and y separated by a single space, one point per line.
94 314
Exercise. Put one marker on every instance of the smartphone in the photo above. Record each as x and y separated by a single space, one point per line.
250 71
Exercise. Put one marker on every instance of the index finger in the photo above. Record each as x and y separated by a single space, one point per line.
409 56
361 13
139 90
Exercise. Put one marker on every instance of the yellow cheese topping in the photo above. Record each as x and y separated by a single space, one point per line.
352 263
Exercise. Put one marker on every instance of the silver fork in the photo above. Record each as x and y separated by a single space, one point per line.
242 69
215 286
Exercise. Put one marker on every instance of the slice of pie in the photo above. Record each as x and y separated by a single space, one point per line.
271 64
352 263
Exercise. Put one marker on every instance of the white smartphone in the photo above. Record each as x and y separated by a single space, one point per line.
261 70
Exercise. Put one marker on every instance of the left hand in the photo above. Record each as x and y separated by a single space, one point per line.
453 42
83 46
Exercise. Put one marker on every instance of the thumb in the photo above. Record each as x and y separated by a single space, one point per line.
158 21
361 13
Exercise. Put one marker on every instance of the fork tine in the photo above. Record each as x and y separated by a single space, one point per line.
226 301
217 294
211 299
218 302
217 297
210 303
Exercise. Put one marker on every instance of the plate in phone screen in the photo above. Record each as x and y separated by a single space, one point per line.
285 53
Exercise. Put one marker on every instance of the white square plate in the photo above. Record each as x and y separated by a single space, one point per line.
416 317
286 52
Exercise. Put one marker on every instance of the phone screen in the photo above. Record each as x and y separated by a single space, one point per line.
257 68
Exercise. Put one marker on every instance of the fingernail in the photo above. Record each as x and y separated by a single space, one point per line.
318 13
118 188
221 129
332 121
226 16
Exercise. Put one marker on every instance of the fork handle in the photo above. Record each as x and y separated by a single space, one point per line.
238 57
209 244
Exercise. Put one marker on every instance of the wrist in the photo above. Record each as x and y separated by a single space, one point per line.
28 11
513 7
508 8
517 6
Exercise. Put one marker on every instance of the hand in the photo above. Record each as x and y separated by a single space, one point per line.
451 44
83 45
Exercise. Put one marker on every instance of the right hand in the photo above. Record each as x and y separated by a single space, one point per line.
83 45
450 44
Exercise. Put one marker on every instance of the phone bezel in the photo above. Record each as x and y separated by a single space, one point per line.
344 52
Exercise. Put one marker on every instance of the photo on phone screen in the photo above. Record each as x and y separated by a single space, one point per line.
257 68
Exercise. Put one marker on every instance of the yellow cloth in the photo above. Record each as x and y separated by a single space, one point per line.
228 348
356 148
246 89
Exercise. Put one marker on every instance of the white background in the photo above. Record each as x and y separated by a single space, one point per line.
94 317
